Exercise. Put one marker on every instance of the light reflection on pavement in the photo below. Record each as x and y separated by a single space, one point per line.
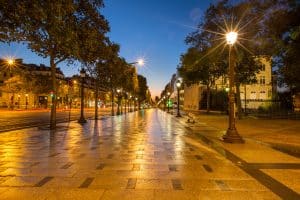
141 155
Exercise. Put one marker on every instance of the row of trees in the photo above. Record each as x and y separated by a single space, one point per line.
64 31
267 29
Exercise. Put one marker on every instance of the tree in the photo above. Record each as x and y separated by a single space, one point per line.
199 67
281 40
57 30
143 89
210 42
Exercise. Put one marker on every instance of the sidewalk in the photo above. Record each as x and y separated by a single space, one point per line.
274 169
142 155
279 133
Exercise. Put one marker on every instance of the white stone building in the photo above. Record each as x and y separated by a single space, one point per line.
255 95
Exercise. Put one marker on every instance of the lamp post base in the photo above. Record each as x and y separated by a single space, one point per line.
81 120
232 136
178 115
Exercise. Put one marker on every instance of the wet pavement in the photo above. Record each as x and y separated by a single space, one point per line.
143 155
18 119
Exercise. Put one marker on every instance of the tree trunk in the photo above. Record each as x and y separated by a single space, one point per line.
96 99
207 98
54 90
238 101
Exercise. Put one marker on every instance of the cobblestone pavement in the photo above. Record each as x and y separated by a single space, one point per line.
282 134
142 155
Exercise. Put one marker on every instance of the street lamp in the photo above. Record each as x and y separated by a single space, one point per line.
130 109
168 101
232 135
178 85
140 62
164 102
10 61
118 109
136 103
19 97
82 75
26 102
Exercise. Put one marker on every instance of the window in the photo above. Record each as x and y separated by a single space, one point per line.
262 80
263 67
242 96
262 95
4 74
253 95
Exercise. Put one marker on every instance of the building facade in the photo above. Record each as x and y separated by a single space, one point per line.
28 86
252 96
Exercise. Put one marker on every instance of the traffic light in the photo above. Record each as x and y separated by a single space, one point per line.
51 94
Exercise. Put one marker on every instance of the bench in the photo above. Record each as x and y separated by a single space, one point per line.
191 118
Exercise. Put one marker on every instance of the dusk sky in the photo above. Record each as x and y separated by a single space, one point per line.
152 29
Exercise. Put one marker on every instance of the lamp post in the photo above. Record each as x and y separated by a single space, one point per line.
140 62
118 108
82 75
136 103
164 101
10 62
168 101
232 135
19 97
26 101
129 101
178 85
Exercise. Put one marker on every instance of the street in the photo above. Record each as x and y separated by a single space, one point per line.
13 120
148 154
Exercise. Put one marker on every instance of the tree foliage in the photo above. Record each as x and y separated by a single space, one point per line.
69 30
280 35
207 58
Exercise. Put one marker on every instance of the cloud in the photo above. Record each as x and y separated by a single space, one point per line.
195 14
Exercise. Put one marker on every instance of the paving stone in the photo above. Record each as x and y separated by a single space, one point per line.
128 194
149 156
153 184
21 181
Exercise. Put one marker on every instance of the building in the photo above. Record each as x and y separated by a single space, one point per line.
27 86
252 96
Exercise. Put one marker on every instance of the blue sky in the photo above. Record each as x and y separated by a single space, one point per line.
152 29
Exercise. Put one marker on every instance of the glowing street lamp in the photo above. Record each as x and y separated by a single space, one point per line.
130 106
168 101
231 37
82 119
26 102
178 85
164 102
140 62
19 97
10 61
118 109
136 103
232 135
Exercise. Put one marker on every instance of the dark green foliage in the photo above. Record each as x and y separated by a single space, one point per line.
69 30
143 88
281 35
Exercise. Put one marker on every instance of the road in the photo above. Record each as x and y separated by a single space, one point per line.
13 120
142 155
